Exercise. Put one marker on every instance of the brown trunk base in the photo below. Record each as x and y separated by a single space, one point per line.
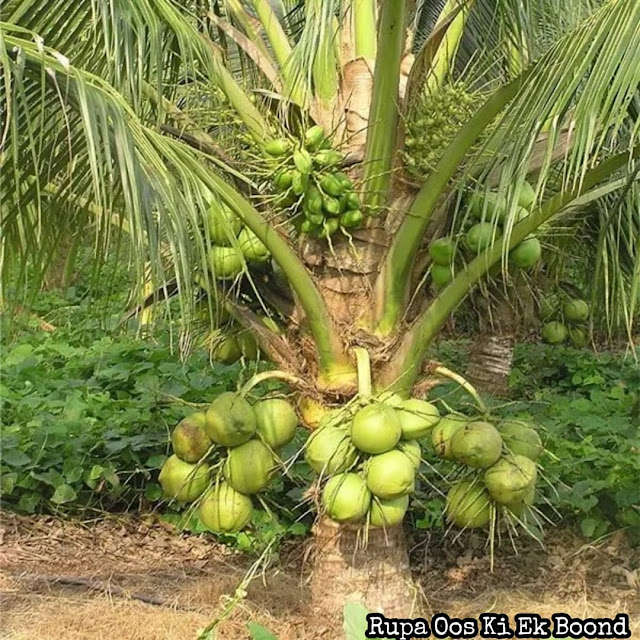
376 575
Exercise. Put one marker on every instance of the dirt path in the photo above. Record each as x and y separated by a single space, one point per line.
125 579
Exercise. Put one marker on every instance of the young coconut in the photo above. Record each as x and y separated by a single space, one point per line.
189 439
346 498
226 350
468 504
579 337
411 449
223 225
477 444
575 311
183 481
509 479
329 450
225 510
519 508
276 421
376 428
388 513
251 247
417 418
443 251
521 438
554 332
230 420
249 467
225 262
443 432
390 474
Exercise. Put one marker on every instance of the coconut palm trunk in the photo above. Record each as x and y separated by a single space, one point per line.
163 134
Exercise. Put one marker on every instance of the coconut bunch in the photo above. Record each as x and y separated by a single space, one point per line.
318 197
367 457
434 122
234 244
501 461
566 320
488 214
226 455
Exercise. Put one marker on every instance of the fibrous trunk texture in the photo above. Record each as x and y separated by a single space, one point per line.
490 363
376 574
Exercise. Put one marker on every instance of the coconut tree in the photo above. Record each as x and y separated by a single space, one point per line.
344 138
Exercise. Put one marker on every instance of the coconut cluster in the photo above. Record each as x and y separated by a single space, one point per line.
566 320
502 461
488 215
225 455
434 121
318 197
367 458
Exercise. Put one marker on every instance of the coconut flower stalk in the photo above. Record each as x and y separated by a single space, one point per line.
268 164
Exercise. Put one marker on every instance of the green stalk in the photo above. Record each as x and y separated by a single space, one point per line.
402 371
333 364
448 48
384 114
364 26
281 48
242 18
394 280
269 375
363 363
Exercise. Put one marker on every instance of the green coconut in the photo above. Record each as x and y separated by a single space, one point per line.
521 438
376 428
247 344
388 513
443 251
575 311
391 474
226 350
225 510
252 247
182 480
477 444
329 450
488 205
276 421
468 504
411 449
189 439
441 276
225 262
443 432
527 253
390 398
546 309
480 236
554 332
579 337
223 225
526 196
519 507
345 497
230 420
249 467
509 479
417 418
